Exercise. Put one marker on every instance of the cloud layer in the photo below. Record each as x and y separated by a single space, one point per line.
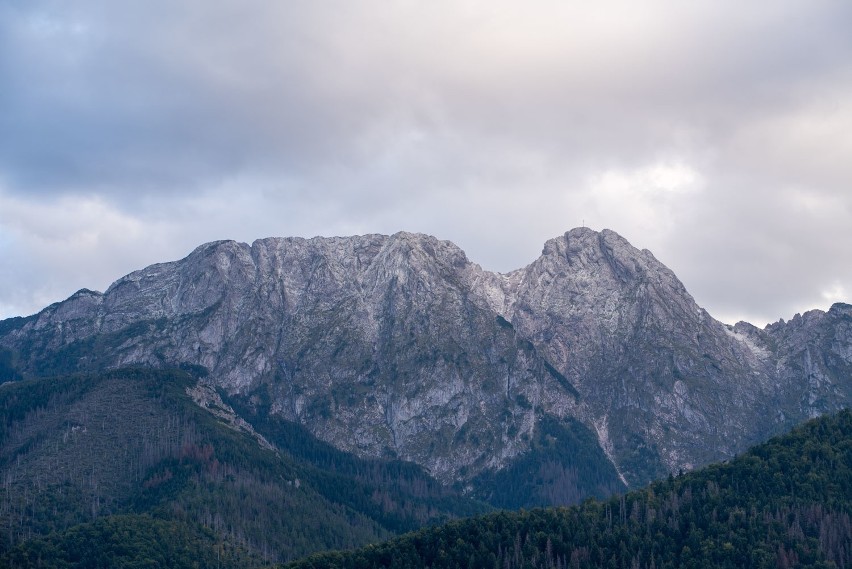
716 134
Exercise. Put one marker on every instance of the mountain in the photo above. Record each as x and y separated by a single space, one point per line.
112 468
589 369
786 503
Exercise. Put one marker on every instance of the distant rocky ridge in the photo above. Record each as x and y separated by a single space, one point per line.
399 346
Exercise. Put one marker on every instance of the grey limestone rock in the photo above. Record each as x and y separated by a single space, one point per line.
400 346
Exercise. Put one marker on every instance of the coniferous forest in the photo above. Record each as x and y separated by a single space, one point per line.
123 469
786 503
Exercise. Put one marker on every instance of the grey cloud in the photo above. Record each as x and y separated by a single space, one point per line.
485 123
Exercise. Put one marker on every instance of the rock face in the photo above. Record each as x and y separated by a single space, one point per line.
400 346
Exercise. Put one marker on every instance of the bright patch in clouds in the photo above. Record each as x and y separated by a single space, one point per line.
646 202
837 293
654 180
68 224
68 244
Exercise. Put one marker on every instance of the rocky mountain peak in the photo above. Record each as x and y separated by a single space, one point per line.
841 308
419 256
583 252
401 346
600 284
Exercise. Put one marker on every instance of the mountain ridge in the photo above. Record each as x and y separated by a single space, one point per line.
401 346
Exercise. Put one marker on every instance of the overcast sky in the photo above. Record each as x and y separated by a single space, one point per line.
717 134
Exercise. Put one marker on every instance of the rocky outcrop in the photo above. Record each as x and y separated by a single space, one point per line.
400 346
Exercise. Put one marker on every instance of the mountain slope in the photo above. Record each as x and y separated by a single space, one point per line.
785 503
81 450
399 346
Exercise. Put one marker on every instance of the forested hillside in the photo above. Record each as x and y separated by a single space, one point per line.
127 457
786 503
